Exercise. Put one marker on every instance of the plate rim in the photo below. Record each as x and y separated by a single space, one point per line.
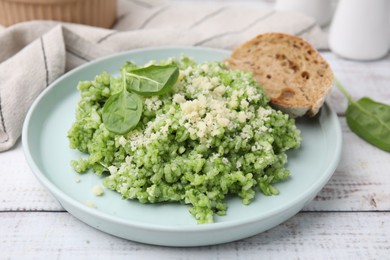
58 193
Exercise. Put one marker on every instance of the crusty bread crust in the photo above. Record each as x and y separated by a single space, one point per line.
295 76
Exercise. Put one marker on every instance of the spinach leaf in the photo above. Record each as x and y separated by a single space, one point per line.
368 119
122 112
153 80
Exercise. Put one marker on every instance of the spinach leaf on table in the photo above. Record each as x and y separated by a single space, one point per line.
368 119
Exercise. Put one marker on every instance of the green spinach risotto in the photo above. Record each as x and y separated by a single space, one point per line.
209 135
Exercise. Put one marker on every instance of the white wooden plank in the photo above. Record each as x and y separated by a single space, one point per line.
305 236
360 182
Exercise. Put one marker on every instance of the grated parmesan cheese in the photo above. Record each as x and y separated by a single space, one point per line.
90 204
97 190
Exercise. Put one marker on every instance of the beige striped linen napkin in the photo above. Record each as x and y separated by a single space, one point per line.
34 54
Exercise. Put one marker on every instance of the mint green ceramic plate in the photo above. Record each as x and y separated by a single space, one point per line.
48 154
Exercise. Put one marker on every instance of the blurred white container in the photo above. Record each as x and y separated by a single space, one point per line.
360 29
320 10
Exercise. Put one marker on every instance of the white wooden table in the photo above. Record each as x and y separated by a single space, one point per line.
349 218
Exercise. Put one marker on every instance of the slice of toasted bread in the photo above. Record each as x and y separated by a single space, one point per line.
290 70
